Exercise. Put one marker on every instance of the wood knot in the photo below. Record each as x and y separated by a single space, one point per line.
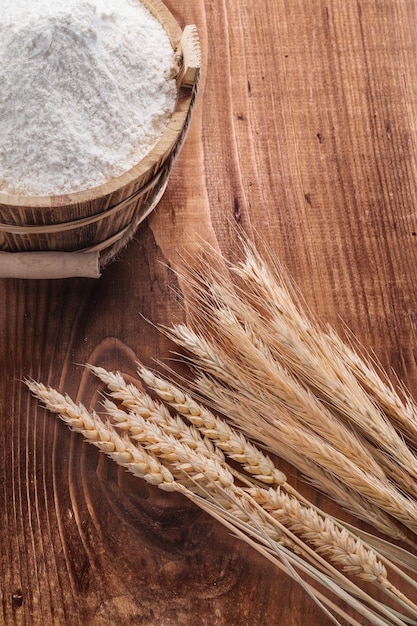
17 599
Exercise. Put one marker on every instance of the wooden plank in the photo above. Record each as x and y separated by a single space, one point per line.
304 132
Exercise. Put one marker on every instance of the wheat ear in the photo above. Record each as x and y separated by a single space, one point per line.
209 474
203 471
259 422
311 355
104 436
206 472
165 446
348 498
401 410
209 424
260 366
341 546
255 462
144 462
277 427
141 403
337 543
230 441
141 461
285 334
146 465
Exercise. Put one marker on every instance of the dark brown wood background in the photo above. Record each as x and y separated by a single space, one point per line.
305 131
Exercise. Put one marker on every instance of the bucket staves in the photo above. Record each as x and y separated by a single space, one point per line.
78 234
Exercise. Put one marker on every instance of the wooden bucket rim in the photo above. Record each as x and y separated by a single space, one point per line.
164 144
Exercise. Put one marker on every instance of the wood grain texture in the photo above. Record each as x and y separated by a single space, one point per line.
305 133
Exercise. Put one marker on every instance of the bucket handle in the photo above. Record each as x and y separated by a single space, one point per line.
49 264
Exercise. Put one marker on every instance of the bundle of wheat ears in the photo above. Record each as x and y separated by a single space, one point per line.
269 382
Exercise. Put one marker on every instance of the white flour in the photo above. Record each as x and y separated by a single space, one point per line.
84 92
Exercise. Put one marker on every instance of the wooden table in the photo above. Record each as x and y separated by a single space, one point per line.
305 131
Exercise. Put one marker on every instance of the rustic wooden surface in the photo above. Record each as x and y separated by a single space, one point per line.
305 131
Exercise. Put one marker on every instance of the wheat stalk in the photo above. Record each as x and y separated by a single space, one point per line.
232 442
254 461
262 422
322 362
286 337
209 473
291 388
170 447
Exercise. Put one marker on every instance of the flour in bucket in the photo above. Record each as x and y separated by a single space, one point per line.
87 90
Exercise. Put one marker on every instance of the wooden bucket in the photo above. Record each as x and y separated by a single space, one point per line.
79 234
